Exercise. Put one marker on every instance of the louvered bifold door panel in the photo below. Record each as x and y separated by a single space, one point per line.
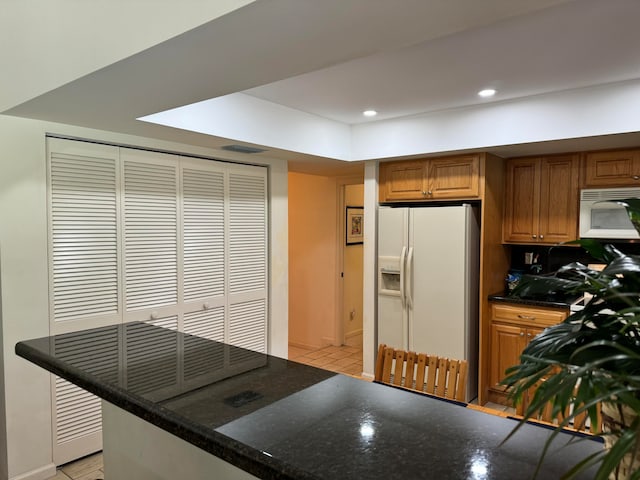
150 231
247 259
247 328
200 357
77 416
203 229
83 238
247 233
151 358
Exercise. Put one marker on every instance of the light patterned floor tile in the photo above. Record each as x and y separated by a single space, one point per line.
338 355
345 362
96 475
298 351
316 362
84 466
60 476
316 354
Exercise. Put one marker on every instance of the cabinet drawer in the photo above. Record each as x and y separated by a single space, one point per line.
528 316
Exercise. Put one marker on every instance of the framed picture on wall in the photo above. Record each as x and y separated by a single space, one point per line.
355 225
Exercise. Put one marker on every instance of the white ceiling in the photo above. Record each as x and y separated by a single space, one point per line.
572 45
324 60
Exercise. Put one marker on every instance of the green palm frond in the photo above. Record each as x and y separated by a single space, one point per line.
593 356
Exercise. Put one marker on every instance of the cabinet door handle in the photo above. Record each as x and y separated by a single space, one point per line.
424 193
541 236
430 192
529 335
526 317
534 236
636 177
522 334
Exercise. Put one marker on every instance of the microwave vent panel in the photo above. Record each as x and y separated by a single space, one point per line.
603 194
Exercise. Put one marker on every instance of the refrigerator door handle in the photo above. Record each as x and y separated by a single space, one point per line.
402 274
409 280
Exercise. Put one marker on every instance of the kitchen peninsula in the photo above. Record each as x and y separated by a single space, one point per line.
211 410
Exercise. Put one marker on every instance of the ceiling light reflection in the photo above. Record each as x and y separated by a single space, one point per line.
479 467
487 92
366 431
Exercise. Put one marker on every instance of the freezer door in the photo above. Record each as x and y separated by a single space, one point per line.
392 231
392 241
439 282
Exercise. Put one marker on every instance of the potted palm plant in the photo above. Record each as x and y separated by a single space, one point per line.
591 361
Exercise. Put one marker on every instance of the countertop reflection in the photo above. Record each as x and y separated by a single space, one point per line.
280 419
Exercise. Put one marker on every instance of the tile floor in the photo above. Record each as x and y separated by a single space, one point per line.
344 359
87 468
347 360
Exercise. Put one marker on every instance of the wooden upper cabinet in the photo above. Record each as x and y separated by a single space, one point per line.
559 198
620 168
541 203
456 177
522 194
403 180
430 179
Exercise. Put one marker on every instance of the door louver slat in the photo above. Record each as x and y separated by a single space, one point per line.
247 326
78 411
199 357
150 235
83 236
203 207
247 233
151 368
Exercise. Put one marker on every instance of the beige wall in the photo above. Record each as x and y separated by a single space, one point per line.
352 300
25 399
312 259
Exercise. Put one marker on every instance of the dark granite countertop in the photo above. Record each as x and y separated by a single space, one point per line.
551 302
280 419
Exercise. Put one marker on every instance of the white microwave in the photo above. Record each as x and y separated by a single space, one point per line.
602 218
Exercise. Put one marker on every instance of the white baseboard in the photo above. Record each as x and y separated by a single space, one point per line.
306 346
353 339
326 341
42 473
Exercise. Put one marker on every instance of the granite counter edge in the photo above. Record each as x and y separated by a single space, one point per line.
238 454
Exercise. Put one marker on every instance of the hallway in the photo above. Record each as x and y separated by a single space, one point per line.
343 359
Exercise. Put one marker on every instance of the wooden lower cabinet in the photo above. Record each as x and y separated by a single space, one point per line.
513 326
507 342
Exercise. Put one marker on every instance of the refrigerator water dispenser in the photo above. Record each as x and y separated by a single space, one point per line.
389 276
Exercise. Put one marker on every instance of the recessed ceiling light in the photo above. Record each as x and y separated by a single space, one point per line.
488 92
369 113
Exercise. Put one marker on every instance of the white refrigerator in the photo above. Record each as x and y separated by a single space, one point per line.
428 272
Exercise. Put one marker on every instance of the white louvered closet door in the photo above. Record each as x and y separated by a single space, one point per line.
203 214
247 258
83 243
84 272
151 358
150 234
143 236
